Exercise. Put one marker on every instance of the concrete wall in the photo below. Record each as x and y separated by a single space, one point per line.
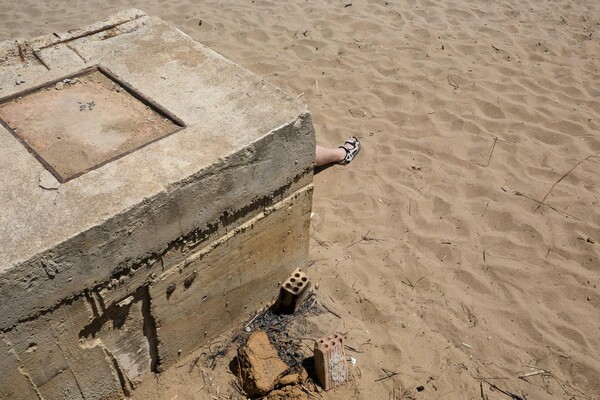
88 349
116 273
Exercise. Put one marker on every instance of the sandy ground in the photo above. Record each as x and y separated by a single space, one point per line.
471 113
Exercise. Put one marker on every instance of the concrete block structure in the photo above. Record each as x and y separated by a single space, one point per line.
154 194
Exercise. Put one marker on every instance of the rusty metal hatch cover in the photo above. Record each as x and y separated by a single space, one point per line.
83 121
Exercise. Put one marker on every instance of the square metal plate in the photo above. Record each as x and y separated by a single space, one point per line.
78 123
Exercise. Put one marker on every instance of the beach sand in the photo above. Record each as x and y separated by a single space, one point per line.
462 246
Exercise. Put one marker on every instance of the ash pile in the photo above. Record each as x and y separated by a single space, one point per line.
274 358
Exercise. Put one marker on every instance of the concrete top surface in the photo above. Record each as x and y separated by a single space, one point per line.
223 107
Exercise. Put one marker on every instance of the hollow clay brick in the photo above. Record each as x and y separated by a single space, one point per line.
330 361
292 292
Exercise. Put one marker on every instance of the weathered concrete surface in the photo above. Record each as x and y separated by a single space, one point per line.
126 330
83 122
215 214
246 146
238 272
14 383
58 367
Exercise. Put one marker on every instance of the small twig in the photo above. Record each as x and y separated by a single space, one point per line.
483 397
307 390
491 151
352 349
408 283
366 238
388 374
509 394
486 206
331 311
533 373
452 83
558 181
195 363
322 243
300 95
563 385
239 376
413 285
549 250
546 205
253 318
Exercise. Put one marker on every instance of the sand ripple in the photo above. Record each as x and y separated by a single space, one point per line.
469 112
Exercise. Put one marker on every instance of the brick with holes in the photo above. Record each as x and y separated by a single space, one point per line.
292 292
330 361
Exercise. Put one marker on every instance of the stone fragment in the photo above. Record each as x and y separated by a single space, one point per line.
288 393
292 292
330 361
298 378
48 181
290 379
303 376
260 366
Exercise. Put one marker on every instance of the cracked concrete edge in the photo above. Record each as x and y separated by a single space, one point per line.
29 51
33 386
20 367
198 255
12 48
118 374
94 329
79 357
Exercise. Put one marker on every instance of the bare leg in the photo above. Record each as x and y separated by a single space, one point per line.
339 155
325 155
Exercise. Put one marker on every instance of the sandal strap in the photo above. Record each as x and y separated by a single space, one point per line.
352 152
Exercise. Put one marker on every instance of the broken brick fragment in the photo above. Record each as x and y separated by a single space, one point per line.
260 366
294 392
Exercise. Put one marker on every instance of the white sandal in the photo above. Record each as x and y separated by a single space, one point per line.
352 152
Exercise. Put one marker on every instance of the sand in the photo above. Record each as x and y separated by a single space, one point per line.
432 245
